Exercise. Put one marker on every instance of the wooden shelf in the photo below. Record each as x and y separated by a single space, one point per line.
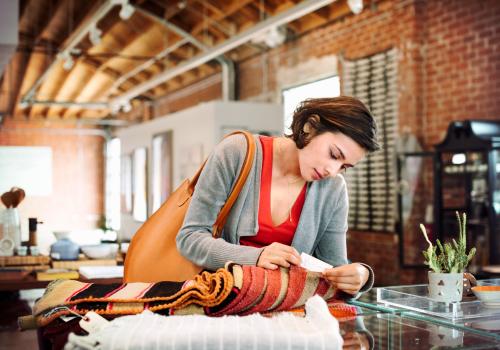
24 260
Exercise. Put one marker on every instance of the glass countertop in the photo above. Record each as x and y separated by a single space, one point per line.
487 326
393 331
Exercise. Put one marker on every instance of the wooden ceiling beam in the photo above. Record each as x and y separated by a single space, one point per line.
122 37
174 9
67 17
36 19
16 68
339 9
226 11
264 8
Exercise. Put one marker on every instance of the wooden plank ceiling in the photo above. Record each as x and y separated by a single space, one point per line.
47 26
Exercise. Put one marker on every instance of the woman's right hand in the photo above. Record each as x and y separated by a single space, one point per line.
277 254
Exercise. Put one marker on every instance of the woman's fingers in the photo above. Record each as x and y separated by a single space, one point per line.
348 288
270 266
349 278
277 254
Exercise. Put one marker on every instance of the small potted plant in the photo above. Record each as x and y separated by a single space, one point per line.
447 263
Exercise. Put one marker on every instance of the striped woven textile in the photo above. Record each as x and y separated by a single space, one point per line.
234 290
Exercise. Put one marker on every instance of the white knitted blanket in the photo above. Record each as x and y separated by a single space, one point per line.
317 330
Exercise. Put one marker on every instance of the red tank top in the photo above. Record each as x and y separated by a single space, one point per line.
268 233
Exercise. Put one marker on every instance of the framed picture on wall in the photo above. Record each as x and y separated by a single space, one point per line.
140 184
126 184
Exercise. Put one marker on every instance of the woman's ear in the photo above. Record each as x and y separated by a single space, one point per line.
311 123
307 128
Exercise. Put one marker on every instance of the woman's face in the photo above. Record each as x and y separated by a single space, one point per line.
328 154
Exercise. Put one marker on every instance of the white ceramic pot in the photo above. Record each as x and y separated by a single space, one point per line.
447 287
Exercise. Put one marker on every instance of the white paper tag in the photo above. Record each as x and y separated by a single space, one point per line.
313 264
92 322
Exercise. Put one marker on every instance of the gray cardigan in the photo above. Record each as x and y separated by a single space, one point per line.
321 230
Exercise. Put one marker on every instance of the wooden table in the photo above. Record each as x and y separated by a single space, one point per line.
20 277
30 282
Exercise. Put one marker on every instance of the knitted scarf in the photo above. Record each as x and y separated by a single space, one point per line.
234 290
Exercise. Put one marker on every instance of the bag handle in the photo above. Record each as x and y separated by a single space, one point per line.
240 182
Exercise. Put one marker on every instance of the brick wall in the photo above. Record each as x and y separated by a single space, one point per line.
76 201
448 69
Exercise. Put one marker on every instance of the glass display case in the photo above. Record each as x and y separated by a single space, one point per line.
466 179
415 205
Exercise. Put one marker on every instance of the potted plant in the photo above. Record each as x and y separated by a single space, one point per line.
447 263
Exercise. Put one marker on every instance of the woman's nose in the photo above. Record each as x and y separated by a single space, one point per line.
334 168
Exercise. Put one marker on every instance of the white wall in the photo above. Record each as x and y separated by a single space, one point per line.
199 127
251 116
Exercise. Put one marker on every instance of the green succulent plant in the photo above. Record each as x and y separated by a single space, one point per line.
450 257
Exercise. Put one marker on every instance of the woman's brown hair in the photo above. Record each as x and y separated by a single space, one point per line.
343 114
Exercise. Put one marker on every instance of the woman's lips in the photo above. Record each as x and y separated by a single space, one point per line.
317 175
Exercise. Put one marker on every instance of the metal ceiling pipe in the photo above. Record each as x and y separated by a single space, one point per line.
228 70
86 105
289 15
73 42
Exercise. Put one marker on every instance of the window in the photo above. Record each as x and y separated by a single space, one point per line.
162 168
112 199
328 87
139 184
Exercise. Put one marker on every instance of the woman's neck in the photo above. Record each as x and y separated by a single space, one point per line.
287 158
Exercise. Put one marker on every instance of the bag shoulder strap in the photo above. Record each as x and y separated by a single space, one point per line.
240 182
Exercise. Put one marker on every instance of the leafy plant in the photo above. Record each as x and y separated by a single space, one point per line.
449 257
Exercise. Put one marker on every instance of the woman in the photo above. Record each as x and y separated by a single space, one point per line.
294 199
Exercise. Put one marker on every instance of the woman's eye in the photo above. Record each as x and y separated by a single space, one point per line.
333 155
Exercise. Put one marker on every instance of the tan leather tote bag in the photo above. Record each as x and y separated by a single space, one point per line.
152 255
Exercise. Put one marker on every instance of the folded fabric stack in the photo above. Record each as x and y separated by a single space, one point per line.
235 290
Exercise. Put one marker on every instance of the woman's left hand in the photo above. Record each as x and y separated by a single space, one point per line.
350 278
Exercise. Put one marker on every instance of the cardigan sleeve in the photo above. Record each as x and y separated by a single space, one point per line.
195 241
332 247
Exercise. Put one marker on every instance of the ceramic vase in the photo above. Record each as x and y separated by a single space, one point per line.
12 225
64 249
446 287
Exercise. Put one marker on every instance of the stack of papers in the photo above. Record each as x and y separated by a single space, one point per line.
101 271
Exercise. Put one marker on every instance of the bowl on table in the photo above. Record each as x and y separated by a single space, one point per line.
489 295
100 251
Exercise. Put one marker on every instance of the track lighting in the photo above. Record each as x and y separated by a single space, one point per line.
273 37
95 35
356 6
126 107
126 11
68 60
